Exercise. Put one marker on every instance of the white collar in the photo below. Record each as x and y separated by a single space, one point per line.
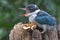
35 12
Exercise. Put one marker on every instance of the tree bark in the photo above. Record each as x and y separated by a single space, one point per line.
18 33
58 30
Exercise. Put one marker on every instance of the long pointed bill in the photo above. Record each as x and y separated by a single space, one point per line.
26 14
22 8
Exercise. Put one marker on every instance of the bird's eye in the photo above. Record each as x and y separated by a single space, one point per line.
31 8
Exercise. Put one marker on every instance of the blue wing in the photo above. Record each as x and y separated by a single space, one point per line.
45 18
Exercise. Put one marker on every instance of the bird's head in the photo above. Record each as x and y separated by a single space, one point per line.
30 9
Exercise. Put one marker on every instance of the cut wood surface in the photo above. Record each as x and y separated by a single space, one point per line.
18 33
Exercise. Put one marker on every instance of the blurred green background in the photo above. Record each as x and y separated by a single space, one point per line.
9 13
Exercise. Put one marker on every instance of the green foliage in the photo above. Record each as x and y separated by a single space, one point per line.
10 13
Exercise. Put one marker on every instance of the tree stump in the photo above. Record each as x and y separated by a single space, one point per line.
58 30
18 33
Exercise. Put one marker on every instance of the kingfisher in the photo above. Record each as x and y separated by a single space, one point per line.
40 17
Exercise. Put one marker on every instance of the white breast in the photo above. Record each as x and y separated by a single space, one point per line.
32 17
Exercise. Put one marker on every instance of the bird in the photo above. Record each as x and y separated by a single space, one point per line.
40 17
